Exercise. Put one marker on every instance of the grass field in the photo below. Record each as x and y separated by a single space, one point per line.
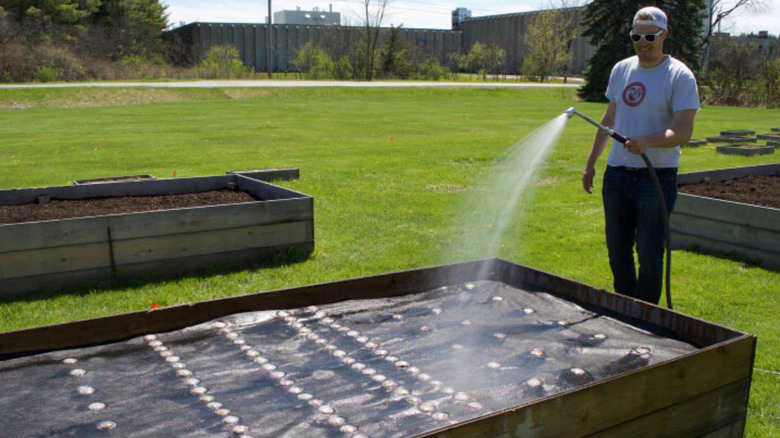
381 205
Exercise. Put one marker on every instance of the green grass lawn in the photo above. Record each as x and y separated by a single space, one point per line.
380 205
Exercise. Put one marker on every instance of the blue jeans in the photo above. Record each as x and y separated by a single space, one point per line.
633 215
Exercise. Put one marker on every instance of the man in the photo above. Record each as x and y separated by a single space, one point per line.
652 100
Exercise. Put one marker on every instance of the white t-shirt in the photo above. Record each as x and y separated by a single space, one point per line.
647 99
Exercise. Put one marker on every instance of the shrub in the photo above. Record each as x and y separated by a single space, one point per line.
741 75
343 69
432 70
47 74
316 64
222 61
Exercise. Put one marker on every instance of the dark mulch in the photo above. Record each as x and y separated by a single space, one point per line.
756 190
68 209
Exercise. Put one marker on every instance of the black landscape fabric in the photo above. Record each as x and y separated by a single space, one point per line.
367 368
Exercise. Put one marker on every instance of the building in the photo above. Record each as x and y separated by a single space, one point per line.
508 31
458 15
191 42
315 17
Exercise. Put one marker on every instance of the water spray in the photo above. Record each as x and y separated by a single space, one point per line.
611 133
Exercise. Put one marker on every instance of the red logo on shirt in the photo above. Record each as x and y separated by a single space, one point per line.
634 94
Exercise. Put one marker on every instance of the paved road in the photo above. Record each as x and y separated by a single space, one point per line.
283 83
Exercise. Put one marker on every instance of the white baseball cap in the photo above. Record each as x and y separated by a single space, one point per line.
657 17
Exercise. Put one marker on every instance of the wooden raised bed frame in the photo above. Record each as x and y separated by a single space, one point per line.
51 255
698 394
715 225
748 152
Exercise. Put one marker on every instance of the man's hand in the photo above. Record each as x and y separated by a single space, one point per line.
587 179
637 146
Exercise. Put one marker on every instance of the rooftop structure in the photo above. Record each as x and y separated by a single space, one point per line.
315 17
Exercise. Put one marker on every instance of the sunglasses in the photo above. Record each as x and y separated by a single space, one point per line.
649 37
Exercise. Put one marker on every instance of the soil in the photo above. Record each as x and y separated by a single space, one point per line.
69 209
756 190
748 146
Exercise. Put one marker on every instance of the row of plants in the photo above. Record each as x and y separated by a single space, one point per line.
314 62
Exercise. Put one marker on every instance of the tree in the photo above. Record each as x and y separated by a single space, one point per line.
484 59
394 61
343 45
549 36
50 18
608 24
128 28
718 11
741 74
374 16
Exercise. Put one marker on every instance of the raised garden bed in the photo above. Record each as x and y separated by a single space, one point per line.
378 354
745 150
732 140
768 136
112 179
45 255
737 133
751 232
695 142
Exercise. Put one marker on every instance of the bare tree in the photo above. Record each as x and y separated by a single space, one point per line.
374 16
718 11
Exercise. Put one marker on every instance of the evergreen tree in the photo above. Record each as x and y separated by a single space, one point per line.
608 25
50 19
126 29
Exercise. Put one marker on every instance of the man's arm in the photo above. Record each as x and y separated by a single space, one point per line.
679 134
600 142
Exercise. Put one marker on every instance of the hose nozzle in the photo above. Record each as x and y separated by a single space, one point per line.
607 131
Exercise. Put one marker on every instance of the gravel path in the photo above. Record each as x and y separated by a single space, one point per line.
283 83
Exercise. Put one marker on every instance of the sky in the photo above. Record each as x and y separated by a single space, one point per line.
428 14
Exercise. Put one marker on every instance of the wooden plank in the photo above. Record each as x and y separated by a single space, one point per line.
767 259
114 179
721 411
732 430
147 188
607 404
191 264
98 277
19 237
127 252
268 175
67 232
265 191
728 232
150 249
18 264
727 211
101 277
